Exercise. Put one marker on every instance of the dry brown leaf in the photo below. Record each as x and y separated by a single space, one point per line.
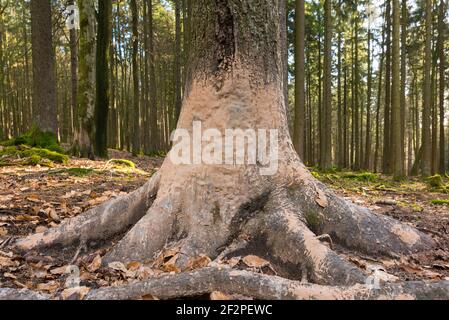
59 271
7 262
233 261
3 232
9 275
198 262
95 265
149 297
219 296
53 215
134 266
322 199
255 262
77 293
170 265
118 266
50 286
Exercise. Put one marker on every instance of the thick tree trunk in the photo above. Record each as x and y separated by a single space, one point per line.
236 80
44 81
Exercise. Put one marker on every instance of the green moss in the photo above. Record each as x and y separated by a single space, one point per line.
34 156
361 176
440 202
435 181
123 162
36 138
314 220
80 172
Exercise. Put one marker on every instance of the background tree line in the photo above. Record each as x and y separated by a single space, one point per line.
367 87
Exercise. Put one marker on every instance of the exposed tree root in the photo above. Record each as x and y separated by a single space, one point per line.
265 287
100 223
258 286
23 294
350 225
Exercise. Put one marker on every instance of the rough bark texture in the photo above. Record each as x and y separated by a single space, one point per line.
44 82
236 81
84 129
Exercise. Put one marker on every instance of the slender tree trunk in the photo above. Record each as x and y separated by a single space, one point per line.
403 101
427 108
44 82
386 165
102 77
396 132
367 157
136 84
154 129
84 116
442 84
177 63
299 125
326 148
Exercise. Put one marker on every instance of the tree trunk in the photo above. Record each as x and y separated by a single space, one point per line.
177 62
104 18
153 110
396 130
442 75
221 209
84 129
326 148
136 84
427 108
44 81
386 165
299 125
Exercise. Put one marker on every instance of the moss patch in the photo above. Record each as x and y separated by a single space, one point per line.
439 202
123 163
24 155
37 139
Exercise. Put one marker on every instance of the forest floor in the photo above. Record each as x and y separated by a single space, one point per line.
34 198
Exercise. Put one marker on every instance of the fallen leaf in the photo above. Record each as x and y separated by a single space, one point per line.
59 271
255 262
216 295
77 293
95 265
198 262
322 199
3 232
134 266
50 286
170 265
9 275
149 297
7 262
118 266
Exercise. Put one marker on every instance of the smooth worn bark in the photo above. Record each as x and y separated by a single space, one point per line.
236 80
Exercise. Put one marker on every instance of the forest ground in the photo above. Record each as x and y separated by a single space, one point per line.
34 198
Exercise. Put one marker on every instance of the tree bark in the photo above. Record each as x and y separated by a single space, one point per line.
44 81
237 81
426 137
104 35
299 124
